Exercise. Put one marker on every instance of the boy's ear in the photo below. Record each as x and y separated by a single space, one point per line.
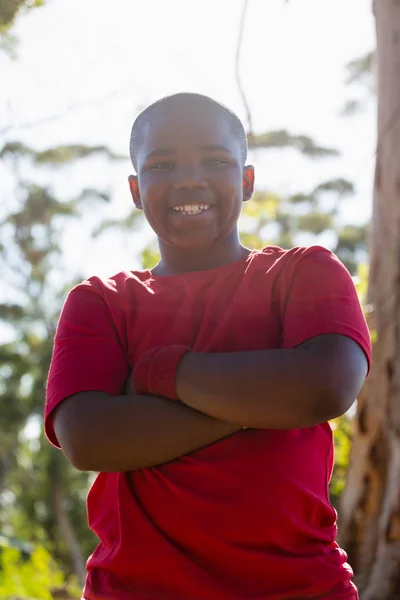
248 182
135 192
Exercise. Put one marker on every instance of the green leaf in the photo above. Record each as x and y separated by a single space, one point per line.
129 223
150 256
351 237
360 69
8 12
361 282
11 312
8 44
61 155
16 148
342 187
342 434
301 198
283 139
262 205
315 222
34 578
352 107
251 240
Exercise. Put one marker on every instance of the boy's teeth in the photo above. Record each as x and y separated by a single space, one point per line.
191 209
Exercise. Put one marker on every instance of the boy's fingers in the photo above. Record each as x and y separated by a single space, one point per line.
130 385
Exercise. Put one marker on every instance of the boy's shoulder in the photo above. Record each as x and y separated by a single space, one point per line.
113 289
280 267
292 256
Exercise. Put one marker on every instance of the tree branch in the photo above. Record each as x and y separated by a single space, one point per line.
237 69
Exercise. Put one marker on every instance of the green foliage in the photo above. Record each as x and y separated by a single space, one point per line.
62 154
351 239
361 69
50 493
351 236
360 72
57 156
8 43
131 222
38 577
283 139
11 312
344 425
9 10
343 432
361 282
341 187
150 256
316 222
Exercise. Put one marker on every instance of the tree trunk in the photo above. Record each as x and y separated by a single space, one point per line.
370 512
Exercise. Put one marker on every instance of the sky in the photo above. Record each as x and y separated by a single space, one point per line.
85 69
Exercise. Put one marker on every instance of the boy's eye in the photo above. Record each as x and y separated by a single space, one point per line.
161 166
215 162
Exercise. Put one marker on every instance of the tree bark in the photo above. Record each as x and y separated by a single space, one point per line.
370 506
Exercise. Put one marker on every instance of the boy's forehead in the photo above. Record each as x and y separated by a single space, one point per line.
196 124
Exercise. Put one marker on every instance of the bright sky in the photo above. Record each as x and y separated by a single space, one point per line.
96 63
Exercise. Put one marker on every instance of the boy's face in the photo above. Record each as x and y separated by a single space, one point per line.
190 180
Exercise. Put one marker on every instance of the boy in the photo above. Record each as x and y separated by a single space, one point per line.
214 465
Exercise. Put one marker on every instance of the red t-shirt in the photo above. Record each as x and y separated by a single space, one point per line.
248 516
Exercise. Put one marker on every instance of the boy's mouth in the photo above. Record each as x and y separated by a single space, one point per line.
191 209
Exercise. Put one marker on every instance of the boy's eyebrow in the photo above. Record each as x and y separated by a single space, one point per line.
215 148
207 148
160 152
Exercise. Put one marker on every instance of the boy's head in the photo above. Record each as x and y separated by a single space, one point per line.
185 100
189 153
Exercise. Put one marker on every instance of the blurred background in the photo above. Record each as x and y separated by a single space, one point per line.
302 76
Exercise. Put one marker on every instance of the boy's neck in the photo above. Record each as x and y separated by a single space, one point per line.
175 262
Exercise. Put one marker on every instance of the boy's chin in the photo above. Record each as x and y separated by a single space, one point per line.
193 245
189 243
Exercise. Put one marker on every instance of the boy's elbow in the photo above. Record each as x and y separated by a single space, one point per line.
78 457
81 456
74 450
335 395
333 403
339 367
91 442
73 435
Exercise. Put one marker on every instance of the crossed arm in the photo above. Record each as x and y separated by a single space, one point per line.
218 394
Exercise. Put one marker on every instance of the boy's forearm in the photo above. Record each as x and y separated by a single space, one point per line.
274 389
123 433
238 387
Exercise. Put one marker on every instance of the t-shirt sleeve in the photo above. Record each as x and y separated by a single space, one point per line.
321 299
87 353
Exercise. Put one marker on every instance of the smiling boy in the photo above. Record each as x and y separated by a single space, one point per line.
214 466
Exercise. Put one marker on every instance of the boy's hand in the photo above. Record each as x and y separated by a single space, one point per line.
130 385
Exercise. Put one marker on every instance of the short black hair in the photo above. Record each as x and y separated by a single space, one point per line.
146 116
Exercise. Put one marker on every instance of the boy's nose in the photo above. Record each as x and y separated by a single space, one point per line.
189 179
